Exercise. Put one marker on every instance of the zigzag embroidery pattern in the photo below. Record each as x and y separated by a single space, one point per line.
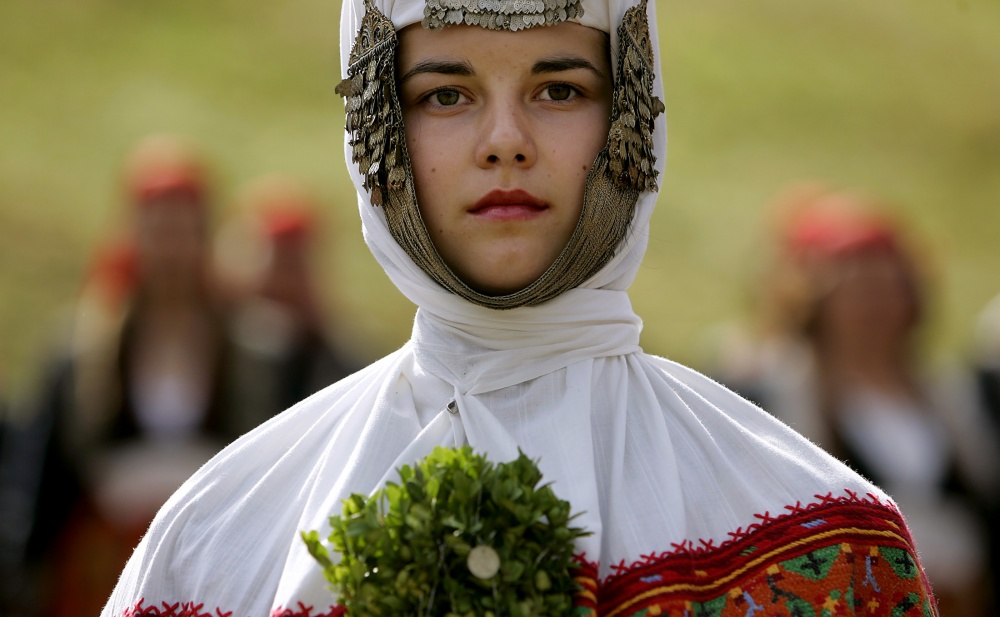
192 609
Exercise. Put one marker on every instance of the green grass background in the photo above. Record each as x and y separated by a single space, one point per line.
899 98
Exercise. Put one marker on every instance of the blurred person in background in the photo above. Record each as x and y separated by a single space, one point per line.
988 358
134 401
280 321
9 566
4 413
987 375
838 358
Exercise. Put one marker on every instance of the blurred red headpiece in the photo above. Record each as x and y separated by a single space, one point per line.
837 225
285 209
163 166
287 221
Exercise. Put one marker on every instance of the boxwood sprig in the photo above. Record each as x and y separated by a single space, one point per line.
456 536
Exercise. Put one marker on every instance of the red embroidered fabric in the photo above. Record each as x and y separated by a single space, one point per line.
177 609
845 555
307 611
839 556
191 609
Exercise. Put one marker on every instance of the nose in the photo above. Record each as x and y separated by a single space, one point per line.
506 137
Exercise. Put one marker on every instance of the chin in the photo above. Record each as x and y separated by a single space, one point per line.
504 272
500 287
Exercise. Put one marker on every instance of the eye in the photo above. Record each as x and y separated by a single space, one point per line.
445 98
559 92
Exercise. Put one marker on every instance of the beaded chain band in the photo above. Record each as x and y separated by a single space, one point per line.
499 14
622 170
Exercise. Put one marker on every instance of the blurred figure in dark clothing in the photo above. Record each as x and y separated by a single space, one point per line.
988 358
137 398
281 322
987 374
839 360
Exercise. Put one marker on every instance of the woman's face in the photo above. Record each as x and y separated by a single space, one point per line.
502 128
170 243
872 304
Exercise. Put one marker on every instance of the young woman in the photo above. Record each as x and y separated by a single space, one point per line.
138 393
506 154
840 360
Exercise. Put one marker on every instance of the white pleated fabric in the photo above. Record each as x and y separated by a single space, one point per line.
654 454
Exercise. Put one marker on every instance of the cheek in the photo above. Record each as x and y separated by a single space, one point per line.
424 143
434 161
580 148
428 161
587 138
418 154
413 142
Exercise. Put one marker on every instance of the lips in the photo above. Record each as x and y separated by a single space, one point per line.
508 204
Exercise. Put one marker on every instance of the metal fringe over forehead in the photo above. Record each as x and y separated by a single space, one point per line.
621 172
499 14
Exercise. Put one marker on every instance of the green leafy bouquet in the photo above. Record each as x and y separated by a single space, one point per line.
456 536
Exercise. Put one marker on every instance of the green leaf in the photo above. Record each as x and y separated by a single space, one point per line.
542 581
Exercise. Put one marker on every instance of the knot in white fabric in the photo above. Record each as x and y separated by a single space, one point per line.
480 350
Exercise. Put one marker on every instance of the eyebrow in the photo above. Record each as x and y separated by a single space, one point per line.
463 68
443 67
556 65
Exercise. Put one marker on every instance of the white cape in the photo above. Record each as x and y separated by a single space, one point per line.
655 455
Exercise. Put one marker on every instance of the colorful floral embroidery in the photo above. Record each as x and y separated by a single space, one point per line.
840 556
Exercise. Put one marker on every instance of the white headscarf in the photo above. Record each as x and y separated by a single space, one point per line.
655 455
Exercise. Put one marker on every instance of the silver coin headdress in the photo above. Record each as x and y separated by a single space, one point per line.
511 15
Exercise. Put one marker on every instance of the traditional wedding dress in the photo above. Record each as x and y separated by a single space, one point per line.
699 503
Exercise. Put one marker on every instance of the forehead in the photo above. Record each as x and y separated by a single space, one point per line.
476 43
